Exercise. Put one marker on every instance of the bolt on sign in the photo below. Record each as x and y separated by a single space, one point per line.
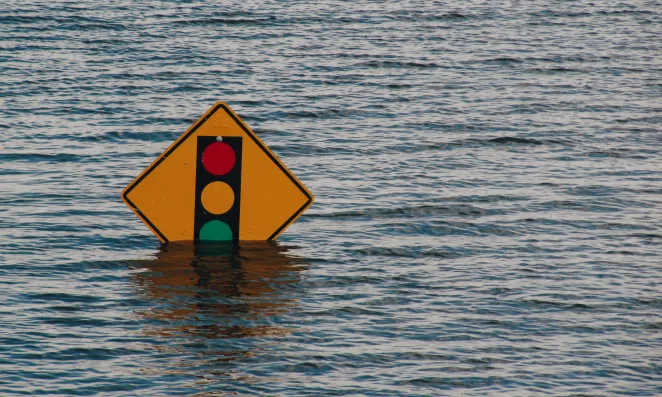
217 182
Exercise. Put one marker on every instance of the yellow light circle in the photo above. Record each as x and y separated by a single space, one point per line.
217 197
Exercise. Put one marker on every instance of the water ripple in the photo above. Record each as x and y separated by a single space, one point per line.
487 182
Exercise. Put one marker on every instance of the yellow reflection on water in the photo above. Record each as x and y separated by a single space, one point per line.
215 303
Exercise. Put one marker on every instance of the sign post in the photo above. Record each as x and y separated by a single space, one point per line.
217 182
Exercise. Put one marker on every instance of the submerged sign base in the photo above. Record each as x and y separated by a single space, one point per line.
217 182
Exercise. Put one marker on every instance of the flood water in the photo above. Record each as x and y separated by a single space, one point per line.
487 216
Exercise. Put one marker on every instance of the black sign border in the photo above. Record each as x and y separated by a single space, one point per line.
191 132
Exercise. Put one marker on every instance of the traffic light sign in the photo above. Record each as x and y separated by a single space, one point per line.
218 181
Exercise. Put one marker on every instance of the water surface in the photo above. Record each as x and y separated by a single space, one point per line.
487 216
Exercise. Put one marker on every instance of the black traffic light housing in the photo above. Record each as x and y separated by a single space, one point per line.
204 177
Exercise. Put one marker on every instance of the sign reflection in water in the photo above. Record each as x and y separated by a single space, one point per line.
214 304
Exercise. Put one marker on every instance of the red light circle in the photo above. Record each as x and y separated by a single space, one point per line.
218 158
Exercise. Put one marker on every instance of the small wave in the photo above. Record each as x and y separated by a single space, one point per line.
562 14
655 326
626 12
516 140
449 383
647 235
468 143
408 252
225 21
559 305
458 210
54 157
645 119
555 70
503 60
421 16
311 150
62 297
93 26
331 113
620 153
399 86
398 64
450 15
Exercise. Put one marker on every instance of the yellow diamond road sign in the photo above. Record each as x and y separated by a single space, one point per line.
217 182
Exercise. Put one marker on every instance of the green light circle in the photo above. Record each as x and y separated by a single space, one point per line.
215 231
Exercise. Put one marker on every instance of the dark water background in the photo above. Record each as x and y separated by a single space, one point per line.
488 199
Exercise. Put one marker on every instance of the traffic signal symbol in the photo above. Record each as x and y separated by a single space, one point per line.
169 196
217 188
